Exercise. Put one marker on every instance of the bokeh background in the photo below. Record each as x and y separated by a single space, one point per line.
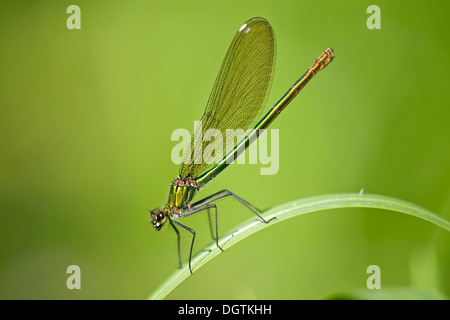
86 118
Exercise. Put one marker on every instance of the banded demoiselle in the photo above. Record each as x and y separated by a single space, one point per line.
238 95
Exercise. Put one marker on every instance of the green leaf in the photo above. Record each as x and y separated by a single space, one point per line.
293 209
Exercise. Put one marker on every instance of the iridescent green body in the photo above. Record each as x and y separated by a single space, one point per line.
324 59
181 193
238 96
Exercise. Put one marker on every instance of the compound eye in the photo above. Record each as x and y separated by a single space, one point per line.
160 216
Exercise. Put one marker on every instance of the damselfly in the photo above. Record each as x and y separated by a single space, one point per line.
239 94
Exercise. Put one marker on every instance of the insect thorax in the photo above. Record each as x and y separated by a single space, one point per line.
181 193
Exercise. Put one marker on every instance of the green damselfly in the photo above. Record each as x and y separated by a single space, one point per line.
239 94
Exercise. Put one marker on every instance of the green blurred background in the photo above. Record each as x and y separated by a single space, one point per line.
86 118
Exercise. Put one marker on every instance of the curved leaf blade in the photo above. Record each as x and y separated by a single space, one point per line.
293 209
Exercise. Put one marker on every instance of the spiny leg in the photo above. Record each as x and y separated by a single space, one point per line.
210 224
228 193
204 204
178 241
217 228
192 243
216 237
202 208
